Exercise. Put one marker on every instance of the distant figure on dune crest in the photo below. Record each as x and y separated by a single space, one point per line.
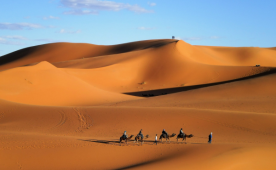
210 138
156 139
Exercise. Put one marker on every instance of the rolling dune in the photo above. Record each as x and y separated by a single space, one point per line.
44 84
65 105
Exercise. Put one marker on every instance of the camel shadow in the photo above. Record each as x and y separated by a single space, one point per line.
133 143
117 142
107 142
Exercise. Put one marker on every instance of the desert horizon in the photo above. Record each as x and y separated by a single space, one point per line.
66 105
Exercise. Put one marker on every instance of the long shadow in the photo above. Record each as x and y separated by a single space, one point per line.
127 47
107 142
117 142
100 141
159 92
110 142
131 142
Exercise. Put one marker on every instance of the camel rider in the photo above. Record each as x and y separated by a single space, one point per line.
141 134
181 132
165 133
125 135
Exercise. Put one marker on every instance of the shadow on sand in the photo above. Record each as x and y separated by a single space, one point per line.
117 142
158 92
133 143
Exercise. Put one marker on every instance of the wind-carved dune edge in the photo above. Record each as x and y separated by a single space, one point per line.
65 105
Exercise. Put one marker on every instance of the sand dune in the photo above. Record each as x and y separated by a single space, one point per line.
150 69
65 105
250 95
56 52
44 84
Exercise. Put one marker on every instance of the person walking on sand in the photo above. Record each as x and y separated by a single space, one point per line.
156 139
210 138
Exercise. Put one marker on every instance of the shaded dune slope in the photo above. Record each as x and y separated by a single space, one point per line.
56 52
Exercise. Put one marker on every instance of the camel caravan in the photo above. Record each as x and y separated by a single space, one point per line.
140 137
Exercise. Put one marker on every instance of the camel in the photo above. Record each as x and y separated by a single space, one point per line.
168 137
184 136
126 139
138 137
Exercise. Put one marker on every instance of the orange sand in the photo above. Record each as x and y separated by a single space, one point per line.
65 105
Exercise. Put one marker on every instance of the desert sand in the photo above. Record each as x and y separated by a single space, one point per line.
65 106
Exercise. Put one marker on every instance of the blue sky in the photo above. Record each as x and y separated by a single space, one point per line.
236 23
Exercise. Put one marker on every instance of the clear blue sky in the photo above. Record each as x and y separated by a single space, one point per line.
25 23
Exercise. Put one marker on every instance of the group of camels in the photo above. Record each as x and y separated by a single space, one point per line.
167 137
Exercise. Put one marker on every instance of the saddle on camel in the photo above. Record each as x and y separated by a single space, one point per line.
124 137
141 138
183 135
166 136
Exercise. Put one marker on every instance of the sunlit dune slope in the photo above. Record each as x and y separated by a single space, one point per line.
155 68
44 84
228 56
56 52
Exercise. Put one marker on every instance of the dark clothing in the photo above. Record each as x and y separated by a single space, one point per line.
125 135
210 138
165 133
181 133
140 134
